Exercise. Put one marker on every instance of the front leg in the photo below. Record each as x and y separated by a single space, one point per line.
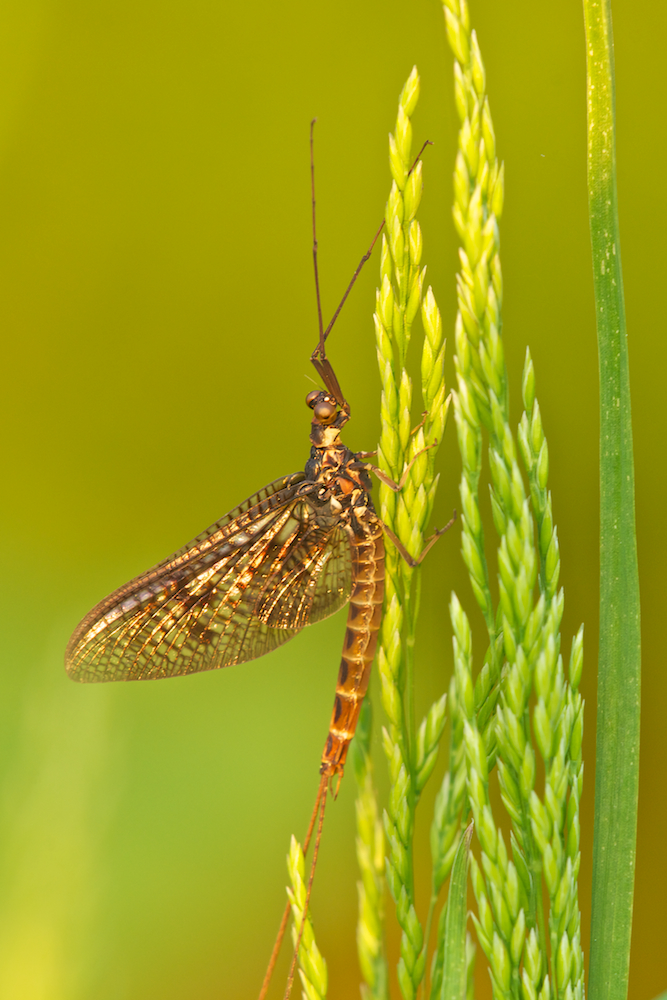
369 454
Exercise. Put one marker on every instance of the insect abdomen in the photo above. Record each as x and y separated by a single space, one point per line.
363 624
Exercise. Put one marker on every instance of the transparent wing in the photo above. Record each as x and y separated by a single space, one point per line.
243 587
311 582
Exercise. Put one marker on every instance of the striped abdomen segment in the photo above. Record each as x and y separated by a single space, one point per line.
363 623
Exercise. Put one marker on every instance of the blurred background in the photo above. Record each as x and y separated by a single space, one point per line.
157 311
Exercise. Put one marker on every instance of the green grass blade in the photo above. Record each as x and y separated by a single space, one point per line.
617 763
454 964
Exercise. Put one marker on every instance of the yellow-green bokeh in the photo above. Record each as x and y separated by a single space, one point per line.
157 315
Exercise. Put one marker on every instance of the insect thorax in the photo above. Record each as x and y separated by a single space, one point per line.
344 490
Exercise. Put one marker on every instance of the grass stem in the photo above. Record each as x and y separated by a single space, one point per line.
619 666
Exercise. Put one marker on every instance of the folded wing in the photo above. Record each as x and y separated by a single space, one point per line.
243 587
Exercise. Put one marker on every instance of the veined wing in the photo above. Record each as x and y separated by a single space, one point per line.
310 582
241 588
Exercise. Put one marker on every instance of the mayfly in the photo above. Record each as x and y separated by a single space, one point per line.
288 556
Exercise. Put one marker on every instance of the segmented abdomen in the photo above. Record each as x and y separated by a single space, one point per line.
363 623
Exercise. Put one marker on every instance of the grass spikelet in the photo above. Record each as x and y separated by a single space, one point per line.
312 966
370 859
411 751
523 661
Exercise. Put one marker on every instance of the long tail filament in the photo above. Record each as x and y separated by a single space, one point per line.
286 914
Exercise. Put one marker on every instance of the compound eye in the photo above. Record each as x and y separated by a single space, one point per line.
312 398
324 411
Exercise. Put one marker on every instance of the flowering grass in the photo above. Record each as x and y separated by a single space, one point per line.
517 719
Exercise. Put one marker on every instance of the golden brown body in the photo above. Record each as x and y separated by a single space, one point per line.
347 478
363 623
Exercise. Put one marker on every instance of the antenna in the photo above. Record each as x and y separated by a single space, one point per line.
318 357
320 325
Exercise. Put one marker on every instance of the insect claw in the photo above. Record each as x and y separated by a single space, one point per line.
420 424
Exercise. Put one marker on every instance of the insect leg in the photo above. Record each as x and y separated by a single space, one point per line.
430 542
420 424
369 454
383 477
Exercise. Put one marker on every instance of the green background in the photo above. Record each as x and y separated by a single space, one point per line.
157 314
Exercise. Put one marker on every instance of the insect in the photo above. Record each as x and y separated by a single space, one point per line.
288 556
